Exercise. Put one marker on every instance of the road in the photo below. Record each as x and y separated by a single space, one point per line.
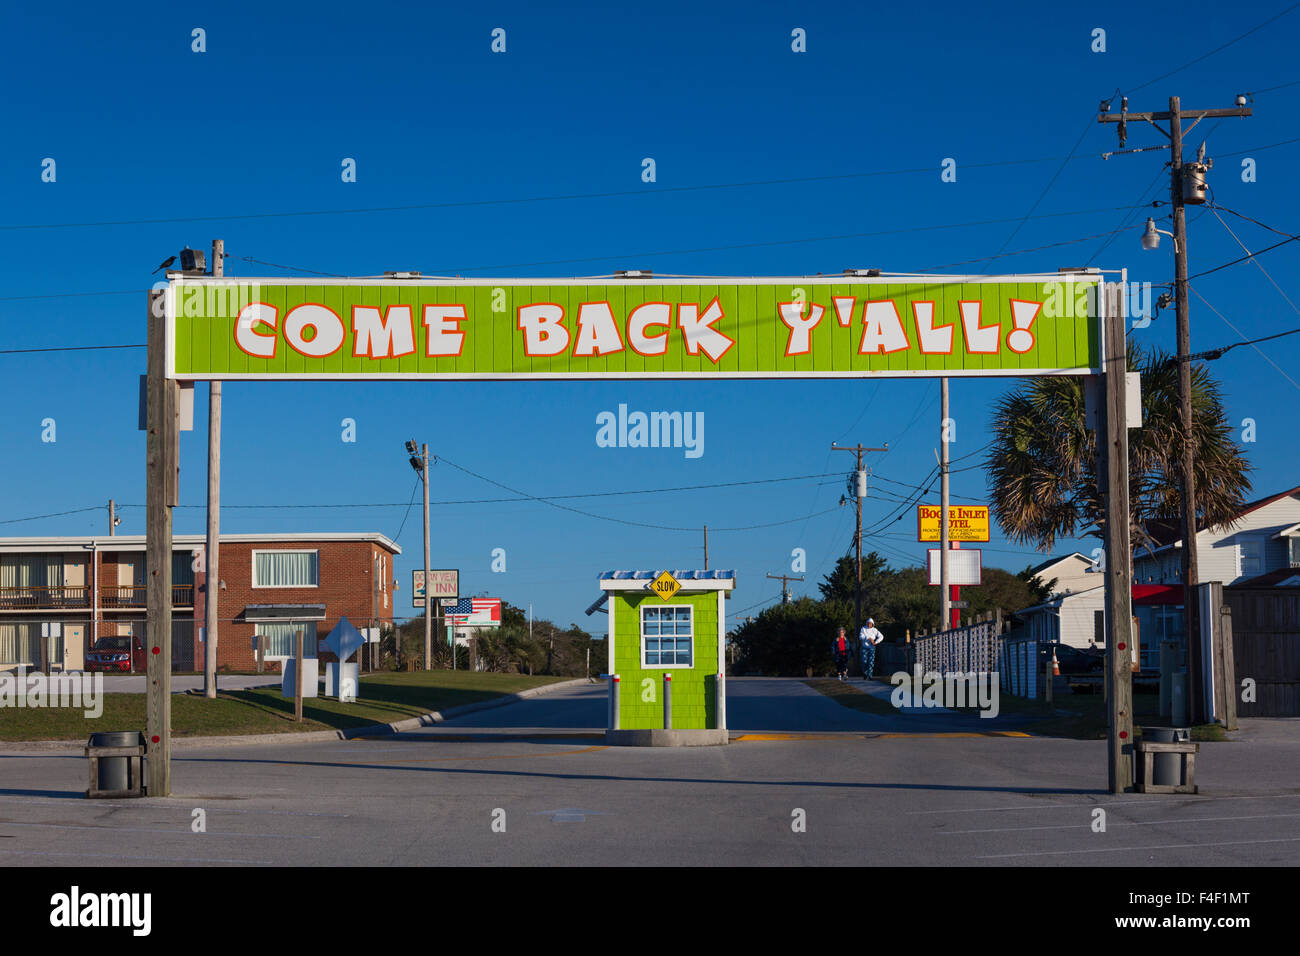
864 790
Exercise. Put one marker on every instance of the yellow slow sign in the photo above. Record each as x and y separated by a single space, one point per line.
965 523
665 585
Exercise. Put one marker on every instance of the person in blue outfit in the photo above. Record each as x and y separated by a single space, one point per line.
868 638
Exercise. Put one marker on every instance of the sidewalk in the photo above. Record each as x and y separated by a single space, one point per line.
885 692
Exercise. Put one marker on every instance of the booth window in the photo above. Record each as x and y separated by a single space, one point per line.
667 636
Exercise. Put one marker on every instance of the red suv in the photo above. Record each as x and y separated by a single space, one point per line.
114 654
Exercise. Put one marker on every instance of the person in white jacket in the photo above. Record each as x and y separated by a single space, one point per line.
868 638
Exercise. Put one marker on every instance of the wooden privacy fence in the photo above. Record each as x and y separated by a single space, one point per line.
1266 649
973 647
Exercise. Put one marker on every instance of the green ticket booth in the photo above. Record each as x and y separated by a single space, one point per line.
667 636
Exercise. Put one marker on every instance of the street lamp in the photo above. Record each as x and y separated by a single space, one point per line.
1151 238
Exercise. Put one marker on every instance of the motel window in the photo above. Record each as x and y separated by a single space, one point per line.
20 643
667 636
280 639
182 569
31 571
285 569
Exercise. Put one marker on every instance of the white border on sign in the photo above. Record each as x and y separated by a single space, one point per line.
973 560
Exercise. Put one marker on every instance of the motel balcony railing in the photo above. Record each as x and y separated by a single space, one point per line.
43 598
25 598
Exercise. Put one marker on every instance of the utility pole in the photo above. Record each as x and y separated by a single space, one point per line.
861 492
420 462
785 589
112 517
374 603
706 547
428 615
1182 190
212 546
945 596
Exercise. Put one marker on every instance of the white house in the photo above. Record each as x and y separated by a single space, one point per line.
1073 573
1070 618
1264 537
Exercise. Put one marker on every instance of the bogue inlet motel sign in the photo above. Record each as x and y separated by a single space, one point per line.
633 328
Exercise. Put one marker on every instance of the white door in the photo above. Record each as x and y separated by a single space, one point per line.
74 647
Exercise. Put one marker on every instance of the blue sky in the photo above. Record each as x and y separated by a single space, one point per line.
141 128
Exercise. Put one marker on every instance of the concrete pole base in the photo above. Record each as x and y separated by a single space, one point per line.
666 738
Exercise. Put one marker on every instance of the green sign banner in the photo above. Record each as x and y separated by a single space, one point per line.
812 327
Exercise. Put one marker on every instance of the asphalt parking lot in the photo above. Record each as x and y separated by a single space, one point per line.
804 781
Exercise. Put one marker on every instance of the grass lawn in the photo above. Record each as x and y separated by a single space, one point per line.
847 695
383 698
1087 713
1078 716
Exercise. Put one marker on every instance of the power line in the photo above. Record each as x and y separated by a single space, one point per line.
905 484
493 501
623 521
1260 149
1225 321
1211 354
895 515
561 197
275 265
1258 264
1046 189
1241 259
70 348
56 514
1217 49
1270 89
1242 215
1021 252
640 255
414 489
777 242
1124 223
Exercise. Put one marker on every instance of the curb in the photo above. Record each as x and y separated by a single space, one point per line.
411 723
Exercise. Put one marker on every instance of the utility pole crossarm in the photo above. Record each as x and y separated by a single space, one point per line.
785 589
1165 115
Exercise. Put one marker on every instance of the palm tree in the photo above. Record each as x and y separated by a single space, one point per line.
1042 464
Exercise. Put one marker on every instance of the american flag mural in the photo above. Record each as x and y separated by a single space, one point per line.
474 612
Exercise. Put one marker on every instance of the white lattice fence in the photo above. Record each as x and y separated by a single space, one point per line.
974 647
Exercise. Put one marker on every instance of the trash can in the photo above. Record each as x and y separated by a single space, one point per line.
114 772
1166 769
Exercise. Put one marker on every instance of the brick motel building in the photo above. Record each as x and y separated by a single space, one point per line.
58 596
